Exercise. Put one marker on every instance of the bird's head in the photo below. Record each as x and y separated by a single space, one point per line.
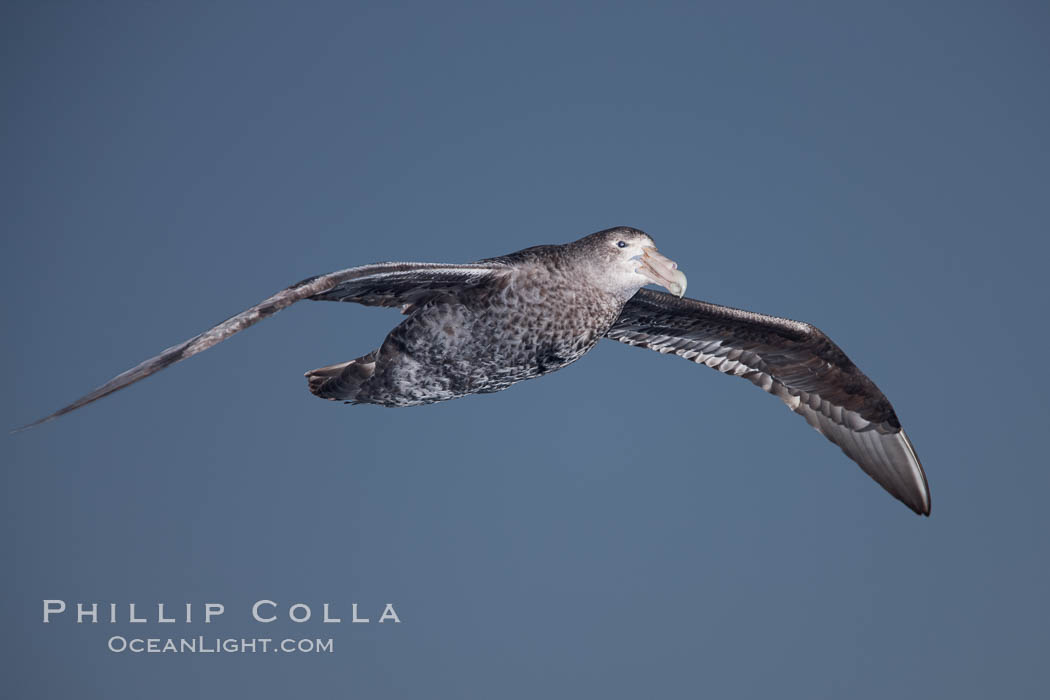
629 260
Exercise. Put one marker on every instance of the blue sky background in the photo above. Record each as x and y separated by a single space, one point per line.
634 526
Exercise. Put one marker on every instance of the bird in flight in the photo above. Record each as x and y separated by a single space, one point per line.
481 327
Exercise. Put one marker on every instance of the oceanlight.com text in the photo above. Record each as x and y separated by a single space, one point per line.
219 645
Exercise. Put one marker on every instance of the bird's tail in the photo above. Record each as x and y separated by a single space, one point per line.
341 382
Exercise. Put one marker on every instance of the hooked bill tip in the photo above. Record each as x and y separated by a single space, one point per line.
678 283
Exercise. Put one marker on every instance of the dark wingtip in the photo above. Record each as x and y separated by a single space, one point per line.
34 424
918 504
923 507
918 510
48 418
929 500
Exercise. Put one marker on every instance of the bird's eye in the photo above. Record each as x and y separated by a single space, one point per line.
621 244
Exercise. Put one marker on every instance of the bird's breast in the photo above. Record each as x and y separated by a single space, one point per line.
543 322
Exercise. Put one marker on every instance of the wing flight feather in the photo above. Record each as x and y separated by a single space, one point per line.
382 284
795 362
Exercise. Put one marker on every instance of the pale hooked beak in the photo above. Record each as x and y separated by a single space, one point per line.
662 271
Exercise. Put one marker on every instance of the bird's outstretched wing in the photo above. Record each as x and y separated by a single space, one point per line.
382 284
793 361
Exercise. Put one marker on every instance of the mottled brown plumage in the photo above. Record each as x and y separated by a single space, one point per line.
481 327
536 313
